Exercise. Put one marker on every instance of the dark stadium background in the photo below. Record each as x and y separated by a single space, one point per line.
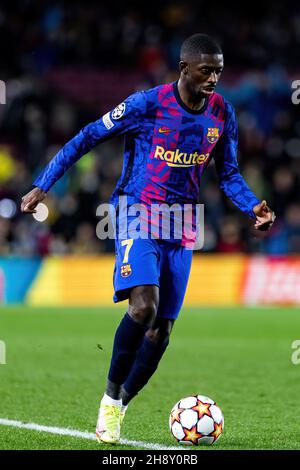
67 63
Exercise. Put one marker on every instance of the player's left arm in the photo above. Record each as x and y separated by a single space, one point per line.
232 182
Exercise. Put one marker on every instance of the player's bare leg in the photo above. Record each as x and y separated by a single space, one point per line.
129 337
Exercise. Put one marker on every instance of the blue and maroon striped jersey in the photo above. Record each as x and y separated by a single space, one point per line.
167 148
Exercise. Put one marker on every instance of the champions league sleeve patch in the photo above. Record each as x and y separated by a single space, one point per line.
118 112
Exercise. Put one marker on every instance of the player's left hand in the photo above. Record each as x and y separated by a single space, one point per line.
265 217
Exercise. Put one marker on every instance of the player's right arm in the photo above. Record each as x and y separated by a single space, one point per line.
124 118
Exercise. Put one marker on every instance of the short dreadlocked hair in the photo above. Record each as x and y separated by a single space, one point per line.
198 44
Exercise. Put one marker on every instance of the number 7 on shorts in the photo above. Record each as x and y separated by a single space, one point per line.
128 243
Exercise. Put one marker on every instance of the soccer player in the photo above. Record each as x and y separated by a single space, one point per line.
171 132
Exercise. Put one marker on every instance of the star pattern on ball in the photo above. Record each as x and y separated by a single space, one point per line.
202 409
192 435
175 415
217 432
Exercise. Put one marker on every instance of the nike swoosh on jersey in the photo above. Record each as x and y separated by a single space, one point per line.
164 130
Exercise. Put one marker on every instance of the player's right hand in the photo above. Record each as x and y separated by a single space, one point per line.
31 200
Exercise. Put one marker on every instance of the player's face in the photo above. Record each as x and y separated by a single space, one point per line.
203 75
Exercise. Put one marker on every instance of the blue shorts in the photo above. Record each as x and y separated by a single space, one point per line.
157 262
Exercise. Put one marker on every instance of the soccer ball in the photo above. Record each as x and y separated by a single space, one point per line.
196 420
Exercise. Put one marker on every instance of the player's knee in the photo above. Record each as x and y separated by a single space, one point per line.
143 312
160 332
143 303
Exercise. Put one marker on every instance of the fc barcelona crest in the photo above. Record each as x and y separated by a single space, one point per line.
212 134
126 270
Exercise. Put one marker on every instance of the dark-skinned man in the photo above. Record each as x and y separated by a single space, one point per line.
172 132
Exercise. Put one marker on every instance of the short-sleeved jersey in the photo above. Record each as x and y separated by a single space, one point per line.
167 148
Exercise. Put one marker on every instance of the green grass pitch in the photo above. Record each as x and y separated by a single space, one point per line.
57 361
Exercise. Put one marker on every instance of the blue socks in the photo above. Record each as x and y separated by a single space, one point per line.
143 368
134 360
128 340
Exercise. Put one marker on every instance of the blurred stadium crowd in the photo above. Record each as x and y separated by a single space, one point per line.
66 64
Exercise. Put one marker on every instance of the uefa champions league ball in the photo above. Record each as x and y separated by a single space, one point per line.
196 420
